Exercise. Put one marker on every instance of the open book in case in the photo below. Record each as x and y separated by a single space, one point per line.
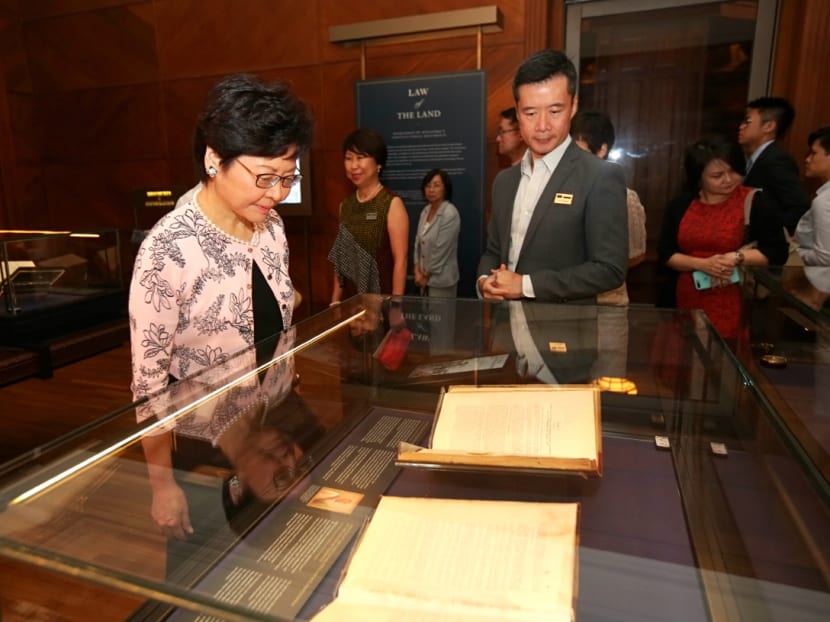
539 428
463 560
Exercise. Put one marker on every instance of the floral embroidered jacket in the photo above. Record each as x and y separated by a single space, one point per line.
191 294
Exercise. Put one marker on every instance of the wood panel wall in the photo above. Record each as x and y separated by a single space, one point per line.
99 97
800 70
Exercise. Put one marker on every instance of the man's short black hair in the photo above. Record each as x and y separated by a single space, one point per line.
822 135
775 109
543 66
595 128
510 115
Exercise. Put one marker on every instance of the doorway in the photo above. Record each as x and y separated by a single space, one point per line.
666 72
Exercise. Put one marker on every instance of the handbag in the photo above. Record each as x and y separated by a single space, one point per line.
392 349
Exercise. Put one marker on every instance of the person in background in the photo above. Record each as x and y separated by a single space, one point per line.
370 251
704 230
813 230
768 165
593 131
558 230
509 139
436 239
211 278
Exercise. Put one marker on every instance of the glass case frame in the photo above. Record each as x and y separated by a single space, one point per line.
707 509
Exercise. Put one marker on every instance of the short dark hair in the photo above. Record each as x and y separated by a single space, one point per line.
542 66
243 115
822 135
775 109
445 178
510 115
595 128
367 142
703 151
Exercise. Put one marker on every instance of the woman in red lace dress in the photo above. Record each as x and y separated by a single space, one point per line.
704 230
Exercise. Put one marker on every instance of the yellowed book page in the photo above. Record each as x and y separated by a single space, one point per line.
343 611
514 560
559 423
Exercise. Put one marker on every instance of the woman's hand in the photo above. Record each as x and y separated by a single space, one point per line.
720 268
421 279
170 512
397 321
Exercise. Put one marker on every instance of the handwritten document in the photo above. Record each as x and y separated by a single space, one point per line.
450 559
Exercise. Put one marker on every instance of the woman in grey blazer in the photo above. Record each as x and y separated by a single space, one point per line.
436 239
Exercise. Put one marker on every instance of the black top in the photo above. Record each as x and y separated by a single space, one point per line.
776 172
267 317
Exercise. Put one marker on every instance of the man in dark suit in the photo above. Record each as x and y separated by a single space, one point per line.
558 230
769 166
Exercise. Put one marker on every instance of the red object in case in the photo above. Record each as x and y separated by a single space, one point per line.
392 350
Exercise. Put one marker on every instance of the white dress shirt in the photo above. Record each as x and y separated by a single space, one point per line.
536 174
813 230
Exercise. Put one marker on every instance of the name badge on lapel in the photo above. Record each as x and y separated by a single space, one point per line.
557 347
371 215
562 198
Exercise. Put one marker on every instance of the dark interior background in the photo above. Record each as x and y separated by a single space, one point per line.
98 98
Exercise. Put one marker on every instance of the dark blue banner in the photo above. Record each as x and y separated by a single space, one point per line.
434 121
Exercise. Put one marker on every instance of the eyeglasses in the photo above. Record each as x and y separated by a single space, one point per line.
269 180
502 132
748 121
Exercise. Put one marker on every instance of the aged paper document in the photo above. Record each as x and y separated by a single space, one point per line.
451 559
525 426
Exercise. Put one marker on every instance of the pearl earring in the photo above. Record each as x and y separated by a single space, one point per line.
212 171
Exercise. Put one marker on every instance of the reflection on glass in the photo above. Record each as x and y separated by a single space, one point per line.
666 76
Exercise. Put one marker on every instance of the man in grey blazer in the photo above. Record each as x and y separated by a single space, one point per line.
558 230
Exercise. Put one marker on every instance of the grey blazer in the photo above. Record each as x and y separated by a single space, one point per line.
577 241
436 251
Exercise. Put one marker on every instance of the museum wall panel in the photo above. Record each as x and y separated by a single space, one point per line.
100 125
800 70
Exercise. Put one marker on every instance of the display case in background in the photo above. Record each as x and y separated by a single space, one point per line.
707 508
54 284
789 356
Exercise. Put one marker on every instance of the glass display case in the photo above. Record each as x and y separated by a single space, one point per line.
240 492
47 269
789 360
56 282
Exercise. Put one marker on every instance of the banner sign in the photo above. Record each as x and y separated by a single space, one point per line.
434 121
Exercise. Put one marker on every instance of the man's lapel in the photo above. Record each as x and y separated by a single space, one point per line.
514 180
768 152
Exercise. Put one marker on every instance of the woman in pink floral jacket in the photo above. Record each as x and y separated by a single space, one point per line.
211 277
